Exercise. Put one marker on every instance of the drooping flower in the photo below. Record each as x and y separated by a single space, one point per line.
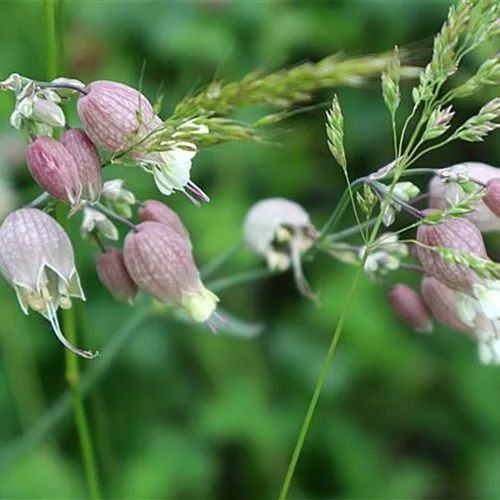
441 194
36 258
152 210
54 169
280 231
444 304
115 116
114 276
160 261
120 119
87 162
410 308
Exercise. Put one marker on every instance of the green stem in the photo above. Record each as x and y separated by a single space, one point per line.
238 279
332 348
53 48
56 415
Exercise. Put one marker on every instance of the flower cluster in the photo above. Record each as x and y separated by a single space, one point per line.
461 284
36 255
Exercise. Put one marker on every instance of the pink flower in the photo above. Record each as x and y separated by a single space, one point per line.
160 262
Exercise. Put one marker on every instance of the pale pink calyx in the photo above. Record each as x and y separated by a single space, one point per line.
114 276
280 231
54 169
410 308
160 262
36 258
87 161
115 116
455 234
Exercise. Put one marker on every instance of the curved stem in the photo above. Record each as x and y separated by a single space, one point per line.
106 211
39 200
238 279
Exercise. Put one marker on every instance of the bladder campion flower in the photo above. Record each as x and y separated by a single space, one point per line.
160 261
121 120
280 231
115 116
36 258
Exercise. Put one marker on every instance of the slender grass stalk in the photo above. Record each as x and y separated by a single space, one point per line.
306 424
53 51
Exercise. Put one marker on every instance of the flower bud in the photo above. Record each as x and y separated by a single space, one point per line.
280 231
160 261
36 258
455 234
492 196
152 210
118 198
410 308
97 221
114 115
87 161
54 168
115 277
440 194
48 113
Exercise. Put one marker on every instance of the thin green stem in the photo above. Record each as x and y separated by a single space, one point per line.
214 265
317 389
239 279
340 208
53 48
331 350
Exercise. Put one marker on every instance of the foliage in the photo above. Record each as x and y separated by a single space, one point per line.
181 414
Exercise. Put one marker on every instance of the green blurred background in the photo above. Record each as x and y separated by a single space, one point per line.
186 415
